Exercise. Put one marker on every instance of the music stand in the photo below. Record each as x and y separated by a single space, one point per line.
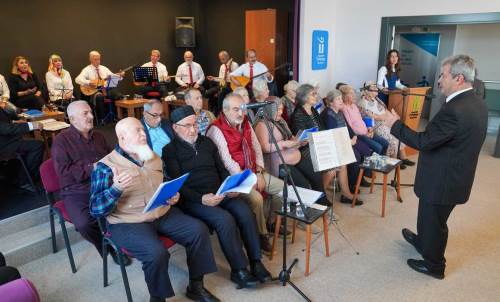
145 74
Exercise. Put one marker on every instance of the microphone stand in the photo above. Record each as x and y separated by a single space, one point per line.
284 275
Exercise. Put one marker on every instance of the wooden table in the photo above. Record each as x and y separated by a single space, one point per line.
130 106
178 103
384 170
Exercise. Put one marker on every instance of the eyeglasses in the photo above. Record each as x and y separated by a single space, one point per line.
153 115
189 126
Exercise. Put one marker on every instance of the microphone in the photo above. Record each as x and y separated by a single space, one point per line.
257 105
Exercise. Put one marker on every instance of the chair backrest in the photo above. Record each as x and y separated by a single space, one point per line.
20 290
49 176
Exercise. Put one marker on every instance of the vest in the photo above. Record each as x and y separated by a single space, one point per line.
145 181
239 144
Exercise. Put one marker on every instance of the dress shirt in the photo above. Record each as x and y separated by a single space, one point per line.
158 138
222 71
216 135
74 158
56 83
182 75
258 68
382 80
354 119
4 88
454 94
162 70
90 73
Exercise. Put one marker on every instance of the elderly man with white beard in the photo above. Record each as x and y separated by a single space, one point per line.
122 184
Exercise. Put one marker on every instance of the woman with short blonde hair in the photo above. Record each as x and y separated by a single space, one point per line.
58 80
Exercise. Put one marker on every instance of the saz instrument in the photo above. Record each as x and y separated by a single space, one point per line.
243 80
99 85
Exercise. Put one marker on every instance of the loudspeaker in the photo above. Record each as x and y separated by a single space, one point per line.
184 32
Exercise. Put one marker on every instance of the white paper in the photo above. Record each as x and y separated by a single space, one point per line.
318 207
245 187
331 149
112 81
308 197
53 125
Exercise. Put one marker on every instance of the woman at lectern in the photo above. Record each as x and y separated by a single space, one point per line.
388 76
371 106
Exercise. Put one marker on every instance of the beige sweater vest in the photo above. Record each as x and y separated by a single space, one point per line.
145 181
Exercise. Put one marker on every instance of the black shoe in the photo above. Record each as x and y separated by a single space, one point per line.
196 292
126 260
344 199
364 183
265 246
411 238
325 202
408 162
243 278
402 166
419 266
260 272
272 226
156 299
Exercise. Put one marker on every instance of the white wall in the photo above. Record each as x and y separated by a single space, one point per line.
482 42
355 32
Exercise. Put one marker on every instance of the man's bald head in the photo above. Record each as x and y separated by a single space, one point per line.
132 138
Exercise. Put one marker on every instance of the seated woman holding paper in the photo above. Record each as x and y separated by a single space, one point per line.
305 117
372 107
25 86
332 118
59 82
355 121
301 167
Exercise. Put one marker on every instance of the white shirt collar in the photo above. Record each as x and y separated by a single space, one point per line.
454 94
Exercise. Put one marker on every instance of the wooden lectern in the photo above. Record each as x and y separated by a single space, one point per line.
413 100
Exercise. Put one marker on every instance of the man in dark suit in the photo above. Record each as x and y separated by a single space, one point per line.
11 142
449 150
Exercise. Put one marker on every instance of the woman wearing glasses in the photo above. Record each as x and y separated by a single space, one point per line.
370 105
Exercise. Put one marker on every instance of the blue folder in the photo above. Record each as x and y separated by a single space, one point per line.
164 192
368 122
234 180
303 136
34 113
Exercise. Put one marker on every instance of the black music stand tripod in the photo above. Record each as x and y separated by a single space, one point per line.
310 214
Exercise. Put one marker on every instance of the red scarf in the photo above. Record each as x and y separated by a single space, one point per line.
239 144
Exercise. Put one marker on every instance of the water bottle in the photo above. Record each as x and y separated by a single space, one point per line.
298 211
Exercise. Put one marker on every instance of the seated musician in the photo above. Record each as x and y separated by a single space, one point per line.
158 130
252 70
11 141
240 149
59 82
189 73
230 216
121 182
93 80
162 76
217 93
25 87
204 118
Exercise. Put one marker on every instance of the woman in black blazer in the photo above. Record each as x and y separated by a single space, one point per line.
25 86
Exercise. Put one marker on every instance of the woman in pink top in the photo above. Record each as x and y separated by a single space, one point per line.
353 117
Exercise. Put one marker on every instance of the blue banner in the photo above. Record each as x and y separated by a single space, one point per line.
319 49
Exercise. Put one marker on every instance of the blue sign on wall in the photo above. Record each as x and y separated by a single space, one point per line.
319 49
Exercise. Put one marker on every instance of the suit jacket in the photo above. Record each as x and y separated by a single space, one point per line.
449 149
165 125
10 133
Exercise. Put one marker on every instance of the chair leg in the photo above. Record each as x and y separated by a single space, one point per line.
105 262
308 247
52 231
325 233
276 234
293 230
125 278
373 182
68 245
27 172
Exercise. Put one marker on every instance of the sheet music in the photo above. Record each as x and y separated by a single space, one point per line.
53 125
331 149
308 197
112 81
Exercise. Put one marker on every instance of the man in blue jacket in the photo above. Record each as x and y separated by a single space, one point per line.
158 131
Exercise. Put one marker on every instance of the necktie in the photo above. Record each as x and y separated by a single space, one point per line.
97 71
225 72
190 75
157 75
251 77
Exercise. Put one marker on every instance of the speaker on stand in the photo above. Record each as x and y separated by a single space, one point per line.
184 32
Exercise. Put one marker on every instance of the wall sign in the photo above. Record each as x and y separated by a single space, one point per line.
319 49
